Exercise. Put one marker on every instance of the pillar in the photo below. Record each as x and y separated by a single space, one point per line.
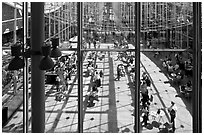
37 75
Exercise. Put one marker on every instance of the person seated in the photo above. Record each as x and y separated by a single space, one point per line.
166 58
94 87
101 73
160 113
178 77
133 77
90 101
168 62
145 117
119 71
143 87
132 69
144 76
189 84
131 60
187 64
164 65
145 101
97 79
170 68
122 71
148 82
116 43
176 67
186 89
90 70
59 97
92 96
90 62
90 56
156 54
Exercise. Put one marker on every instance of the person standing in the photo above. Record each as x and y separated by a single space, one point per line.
97 79
94 42
172 111
101 74
145 117
89 42
118 73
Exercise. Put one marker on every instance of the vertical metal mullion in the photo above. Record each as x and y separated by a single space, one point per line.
197 91
59 19
137 66
62 23
15 23
49 25
54 19
68 19
25 69
80 67
188 22
14 42
65 24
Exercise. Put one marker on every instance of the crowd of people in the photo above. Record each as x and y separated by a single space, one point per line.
145 86
178 70
96 77
10 79
147 100
64 68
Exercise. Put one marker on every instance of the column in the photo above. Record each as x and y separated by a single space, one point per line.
37 75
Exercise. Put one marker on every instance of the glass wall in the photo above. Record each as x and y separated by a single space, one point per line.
95 85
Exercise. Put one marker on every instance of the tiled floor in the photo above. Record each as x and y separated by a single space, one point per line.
113 112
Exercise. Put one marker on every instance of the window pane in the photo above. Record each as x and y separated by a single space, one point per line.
166 77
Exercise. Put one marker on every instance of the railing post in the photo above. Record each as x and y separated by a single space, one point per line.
25 69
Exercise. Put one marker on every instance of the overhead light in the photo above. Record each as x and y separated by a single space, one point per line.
46 63
17 62
55 51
